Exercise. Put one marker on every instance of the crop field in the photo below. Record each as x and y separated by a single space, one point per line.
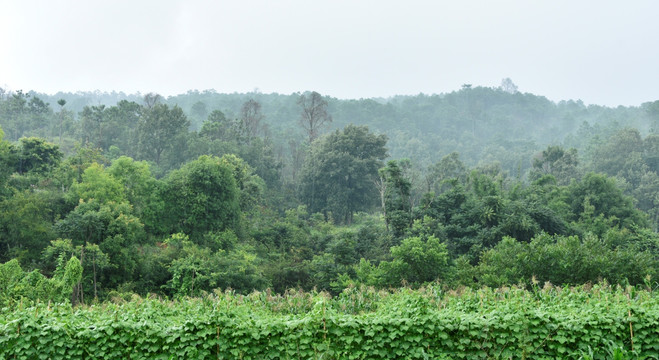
544 323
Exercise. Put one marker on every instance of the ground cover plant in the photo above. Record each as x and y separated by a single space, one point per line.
360 323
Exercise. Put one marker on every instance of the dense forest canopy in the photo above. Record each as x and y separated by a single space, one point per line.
104 194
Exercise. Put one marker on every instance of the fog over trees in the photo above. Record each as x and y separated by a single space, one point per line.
185 194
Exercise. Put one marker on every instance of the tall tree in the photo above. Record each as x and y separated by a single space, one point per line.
151 100
508 86
448 168
37 155
652 111
92 119
314 114
251 117
396 197
61 103
562 164
202 196
338 174
157 130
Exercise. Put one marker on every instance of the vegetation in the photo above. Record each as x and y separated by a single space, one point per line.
112 196
551 322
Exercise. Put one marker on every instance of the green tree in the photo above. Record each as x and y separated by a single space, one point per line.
620 155
139 187
565 260
24 113
217 127
251 118
199 113
396 197
338 174
250 185
597 196
93 121
652 112
114 229
26 225
17 285
556 161
61 103
450 167
92 259
157 130
197 270
98 184
7 163
37 155
415 261
201 196
122 123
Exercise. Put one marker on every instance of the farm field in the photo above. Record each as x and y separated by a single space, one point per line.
597 322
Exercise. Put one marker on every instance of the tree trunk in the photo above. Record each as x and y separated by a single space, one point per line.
94 269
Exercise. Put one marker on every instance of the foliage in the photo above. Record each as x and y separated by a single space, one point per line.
17 285
483 186
26 224
338 174
158 129
556 161
201 196
505 323
566 260
98 184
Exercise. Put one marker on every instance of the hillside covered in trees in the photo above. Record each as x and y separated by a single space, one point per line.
104 195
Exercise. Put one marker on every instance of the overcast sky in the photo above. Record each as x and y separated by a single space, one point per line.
602 52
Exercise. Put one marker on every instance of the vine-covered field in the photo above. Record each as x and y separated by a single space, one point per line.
543 323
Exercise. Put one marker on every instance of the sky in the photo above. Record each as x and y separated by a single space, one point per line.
601 52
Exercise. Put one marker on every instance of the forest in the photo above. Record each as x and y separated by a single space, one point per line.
109 196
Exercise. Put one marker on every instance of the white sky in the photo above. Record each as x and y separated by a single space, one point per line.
602 52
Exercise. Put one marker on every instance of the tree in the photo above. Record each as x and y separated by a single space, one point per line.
508 86
16 284
98 184
94 262
61 103
620 155
199 112
25 225
555 161
122 122
113 227
249 184
37 155
396 197
22 112
651 152
251 117
652 112
92 119
450 167
139 187
338 175
217 127
314 114
201 196
7 162
198 269
151 100
157 130
415 261
596 199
